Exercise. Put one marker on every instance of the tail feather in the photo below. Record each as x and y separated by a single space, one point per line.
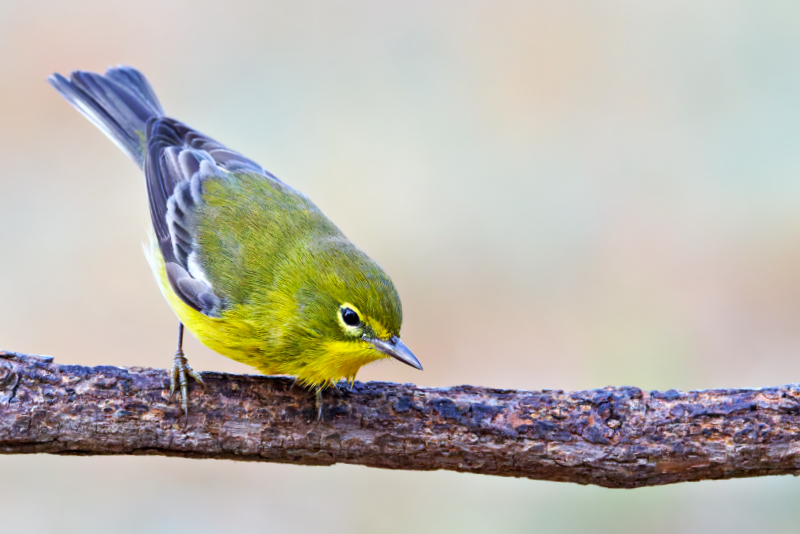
119 103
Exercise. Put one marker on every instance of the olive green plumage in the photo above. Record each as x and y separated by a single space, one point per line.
285 269
251 266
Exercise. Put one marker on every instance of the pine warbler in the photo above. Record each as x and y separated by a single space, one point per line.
250 265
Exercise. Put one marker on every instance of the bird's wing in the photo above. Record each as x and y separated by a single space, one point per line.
179 159
176 159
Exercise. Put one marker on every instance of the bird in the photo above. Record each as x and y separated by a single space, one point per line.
250 265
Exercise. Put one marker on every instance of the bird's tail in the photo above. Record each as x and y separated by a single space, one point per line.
120 103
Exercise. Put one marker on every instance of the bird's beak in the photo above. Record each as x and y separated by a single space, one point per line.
397 350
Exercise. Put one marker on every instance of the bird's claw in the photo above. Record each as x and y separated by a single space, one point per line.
181 372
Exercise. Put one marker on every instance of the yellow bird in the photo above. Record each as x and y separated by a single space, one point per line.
250 265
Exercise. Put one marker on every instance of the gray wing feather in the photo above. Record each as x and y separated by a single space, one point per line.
176 161
193 292
175 173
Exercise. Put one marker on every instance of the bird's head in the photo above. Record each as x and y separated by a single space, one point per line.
348 313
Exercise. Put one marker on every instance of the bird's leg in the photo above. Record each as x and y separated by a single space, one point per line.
318 398
180 370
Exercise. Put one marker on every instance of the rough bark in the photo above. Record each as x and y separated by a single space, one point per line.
614 437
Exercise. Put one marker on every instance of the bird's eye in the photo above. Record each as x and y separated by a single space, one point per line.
350 317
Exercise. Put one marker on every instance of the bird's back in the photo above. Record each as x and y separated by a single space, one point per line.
251 231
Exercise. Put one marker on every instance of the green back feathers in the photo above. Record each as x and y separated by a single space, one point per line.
268 249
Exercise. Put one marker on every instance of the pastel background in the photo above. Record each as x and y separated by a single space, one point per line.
568 194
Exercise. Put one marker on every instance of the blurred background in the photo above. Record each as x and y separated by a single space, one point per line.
568 194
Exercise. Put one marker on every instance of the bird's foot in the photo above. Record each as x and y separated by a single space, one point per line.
181 372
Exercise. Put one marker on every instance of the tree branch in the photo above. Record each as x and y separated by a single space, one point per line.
613 437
